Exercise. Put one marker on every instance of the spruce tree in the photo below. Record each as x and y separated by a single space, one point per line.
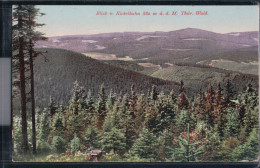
182 120
212 145
232 125
229 92
252 95
122 110
61 110
89 112
44 133
166 112
125 103
220 111
219 97
141 106
75 144
199 107
101 106
154 93
145 146
89 102
152 118
182 101
92 138
76 103
182 87
57 126
114 141
188 151
250 120
126 124
241 112
249 150
52 107
165 145
111 99
219 103
130 130
58 144
133 103
74 125
44 126
109 122
250 102
76 117
172 97
112 119
209 105
210 98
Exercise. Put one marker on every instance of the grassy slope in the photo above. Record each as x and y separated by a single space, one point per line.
133 66
247 68
196 77
247 55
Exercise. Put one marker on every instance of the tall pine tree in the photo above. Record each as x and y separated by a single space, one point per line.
182 101
101 106
33 36
229 92
77 102
20 15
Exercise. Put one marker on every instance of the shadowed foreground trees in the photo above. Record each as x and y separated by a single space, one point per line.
24 38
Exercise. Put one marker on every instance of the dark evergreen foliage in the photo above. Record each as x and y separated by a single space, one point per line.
58 144
75 144
145 145
92 138
114 140
158 129
188 151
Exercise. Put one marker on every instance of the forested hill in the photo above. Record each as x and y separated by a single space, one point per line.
197 77
58 69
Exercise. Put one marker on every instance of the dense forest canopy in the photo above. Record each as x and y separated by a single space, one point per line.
216 125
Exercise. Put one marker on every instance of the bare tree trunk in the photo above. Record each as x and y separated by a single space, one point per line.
22 88
32 91
32 98
12 121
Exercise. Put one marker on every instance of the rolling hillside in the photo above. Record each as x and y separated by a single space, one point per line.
200 78
190 45
55 76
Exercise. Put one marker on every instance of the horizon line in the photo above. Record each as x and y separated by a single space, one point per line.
149 32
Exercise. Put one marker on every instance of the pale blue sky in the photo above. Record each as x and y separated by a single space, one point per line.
73 20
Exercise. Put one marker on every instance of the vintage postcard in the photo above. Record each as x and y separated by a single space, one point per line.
135 83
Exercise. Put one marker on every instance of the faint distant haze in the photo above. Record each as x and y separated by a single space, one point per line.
77 20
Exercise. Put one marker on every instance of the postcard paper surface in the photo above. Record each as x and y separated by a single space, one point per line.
135 83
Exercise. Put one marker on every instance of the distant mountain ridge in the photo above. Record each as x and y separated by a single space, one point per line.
249 38
190 45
